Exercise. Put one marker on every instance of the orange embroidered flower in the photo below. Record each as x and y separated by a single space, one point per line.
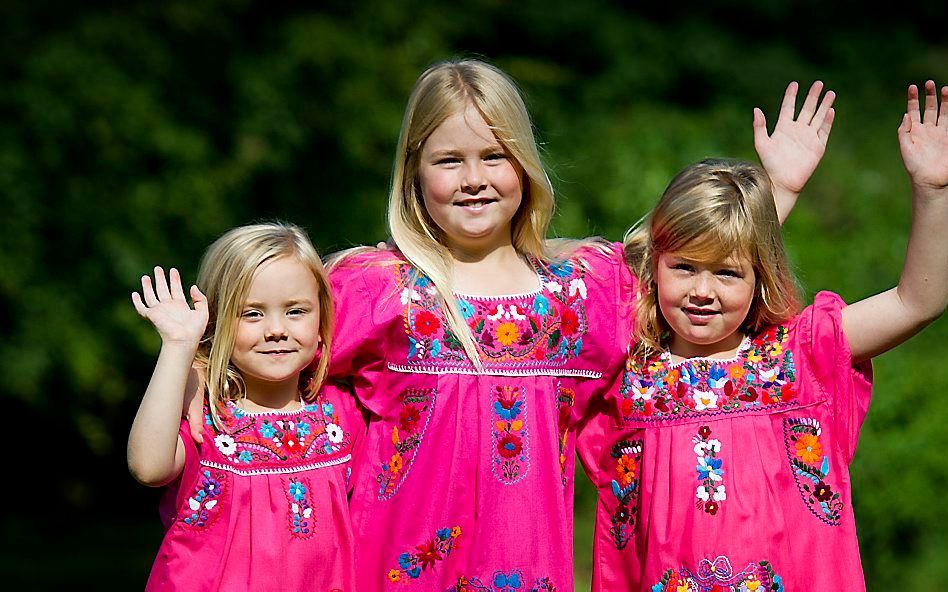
507 333
672 377
809 449
455 532
736 372
394 575
626 469
395 465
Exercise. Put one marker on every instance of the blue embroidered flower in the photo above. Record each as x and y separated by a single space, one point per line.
209 421
659 587
412 348
302 428
414 572
267 430
297 490
244 456
511 580
327 409
435 348
404 561
577 347
444 533
778 582
467 311
564 348
564 269
689 375
541 305
709 468
422 281
717 376
505 413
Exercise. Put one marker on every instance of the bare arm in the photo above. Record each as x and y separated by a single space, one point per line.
155 451
792 152
877 324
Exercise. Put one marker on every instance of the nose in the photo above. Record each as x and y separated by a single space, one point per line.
474 179
702 289
275 329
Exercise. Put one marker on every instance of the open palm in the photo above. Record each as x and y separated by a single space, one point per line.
166 307
791 153
923 137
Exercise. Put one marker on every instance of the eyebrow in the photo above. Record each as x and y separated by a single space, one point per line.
286 304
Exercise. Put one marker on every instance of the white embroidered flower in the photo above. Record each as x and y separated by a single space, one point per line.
700 448
516 313
409 294
194 504
334 433
497 314
225 444
553 287
642 392
768 375
577 285
702 493
714 445
719 494
705 400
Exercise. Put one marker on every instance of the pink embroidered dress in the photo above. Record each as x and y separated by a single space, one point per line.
733 475
466 480
262 505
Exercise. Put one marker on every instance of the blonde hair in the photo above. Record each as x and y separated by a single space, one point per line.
710 211
225 275
442 90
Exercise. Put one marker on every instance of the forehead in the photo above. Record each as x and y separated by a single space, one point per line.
710 258
464 128
283 278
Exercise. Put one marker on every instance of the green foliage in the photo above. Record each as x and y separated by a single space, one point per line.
135 133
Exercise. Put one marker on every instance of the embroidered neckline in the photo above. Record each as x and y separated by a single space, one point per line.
234 406
666 356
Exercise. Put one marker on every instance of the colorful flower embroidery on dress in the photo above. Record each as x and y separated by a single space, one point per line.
203 505
512 581
529 330
564 404
300 511
412 564
710 492
761 375
718 576
511 452
254 443
625 488
811 467
417 407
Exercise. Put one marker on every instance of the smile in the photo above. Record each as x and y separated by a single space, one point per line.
475 204
277 352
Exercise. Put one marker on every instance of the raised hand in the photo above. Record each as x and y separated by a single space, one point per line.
923 138
166 307
791 153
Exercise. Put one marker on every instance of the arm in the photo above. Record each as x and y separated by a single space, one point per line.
877 324
791 153
155 451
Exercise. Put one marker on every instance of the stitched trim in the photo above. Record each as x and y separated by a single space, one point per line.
279 470
409 369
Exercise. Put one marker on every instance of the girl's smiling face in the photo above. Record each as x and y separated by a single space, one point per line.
704 303
471 186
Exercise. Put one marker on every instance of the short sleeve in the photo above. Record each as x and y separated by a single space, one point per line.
848 386
174 493
350 414
359 342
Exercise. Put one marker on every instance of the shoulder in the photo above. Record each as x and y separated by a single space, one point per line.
363 266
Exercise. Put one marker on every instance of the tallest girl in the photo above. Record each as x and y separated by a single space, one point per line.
476 349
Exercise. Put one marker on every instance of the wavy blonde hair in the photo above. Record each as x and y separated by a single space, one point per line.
225 275
710 211
441 91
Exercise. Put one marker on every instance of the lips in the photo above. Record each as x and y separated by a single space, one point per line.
475 203
277 351
699 316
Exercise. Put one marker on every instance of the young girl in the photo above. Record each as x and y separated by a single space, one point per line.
476 349
260 504
725 463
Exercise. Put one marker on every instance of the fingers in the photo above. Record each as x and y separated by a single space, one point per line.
943 112
148 292
199 299
827 124
177 291
760 128
825 107
139 305
161 284
931 103
912 105
809 104
789 102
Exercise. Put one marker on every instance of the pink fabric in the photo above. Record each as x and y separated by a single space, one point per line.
776 428
466 478
262 505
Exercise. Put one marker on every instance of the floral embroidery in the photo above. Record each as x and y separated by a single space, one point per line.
718 576
528 330
564 404
267 442
300 510
416 410
811 467
511 455
761 375
625 488
710 490
412 564
202 508
512 581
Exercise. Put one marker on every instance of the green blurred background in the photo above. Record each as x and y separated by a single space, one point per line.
133 133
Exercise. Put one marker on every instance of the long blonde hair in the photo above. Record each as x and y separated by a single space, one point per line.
225 275
709 211
441 91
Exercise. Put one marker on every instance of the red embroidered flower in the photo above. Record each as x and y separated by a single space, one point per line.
711 508
408 418
704 432
823 492
426 323
509 446
428 554
569 322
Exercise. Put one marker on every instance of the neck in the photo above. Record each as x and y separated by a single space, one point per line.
272 396
496 272
681 349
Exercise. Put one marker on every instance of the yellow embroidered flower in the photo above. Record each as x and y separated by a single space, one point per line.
809 449
683 587
775 349
655 366
396 463
394 575
455 532
672 378
626 469
736 372
754 356
752 584
507 333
